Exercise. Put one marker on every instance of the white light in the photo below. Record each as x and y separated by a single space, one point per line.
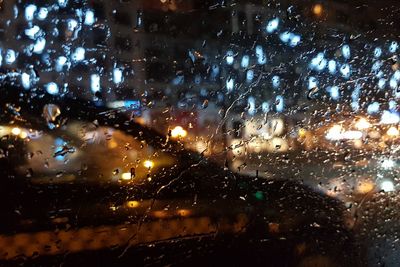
10 56
78 55
15 131
95 83
387 186
1 58
352 135
393 47
355 106
362 124
373 108
117 75
89 17
148 164
272 25
345 70
389 117
334 133
178 132
249 75
229 84
42 13
229 57
29 11
332 66
245 61
276 81
60 62
346 51
31 32
392 132
25 80
377 52
52 88
39 45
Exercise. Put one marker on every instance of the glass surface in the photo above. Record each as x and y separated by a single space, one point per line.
203 132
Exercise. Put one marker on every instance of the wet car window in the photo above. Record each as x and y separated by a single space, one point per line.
204 132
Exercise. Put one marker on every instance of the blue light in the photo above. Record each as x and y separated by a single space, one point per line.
25 80
39 45
265 107
285 36
318 62
334 92
272 25
393 83
245 61
58 144
376 66
197 79
332 66
62 3
294 40
42 13
117 75
355 95
60 62
312 82
178 80
381 83
396 75
345 70
393 47
10 56
52 88
229 57
1 57
251 102
31 32
392 105
29 11
261 57
346 51
95 83
72 24
89 17
229 84
355 106
373 108
78 55
249 75
214 71
377 52
276 81
279 103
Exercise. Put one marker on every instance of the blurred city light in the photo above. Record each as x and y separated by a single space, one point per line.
178 132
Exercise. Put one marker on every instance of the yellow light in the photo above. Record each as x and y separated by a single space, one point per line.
302 132
178 132
23 135
126 176
148 164
392 132
365 187
362 124
317 9
132 204
16 131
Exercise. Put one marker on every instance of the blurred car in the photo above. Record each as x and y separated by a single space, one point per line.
85 185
